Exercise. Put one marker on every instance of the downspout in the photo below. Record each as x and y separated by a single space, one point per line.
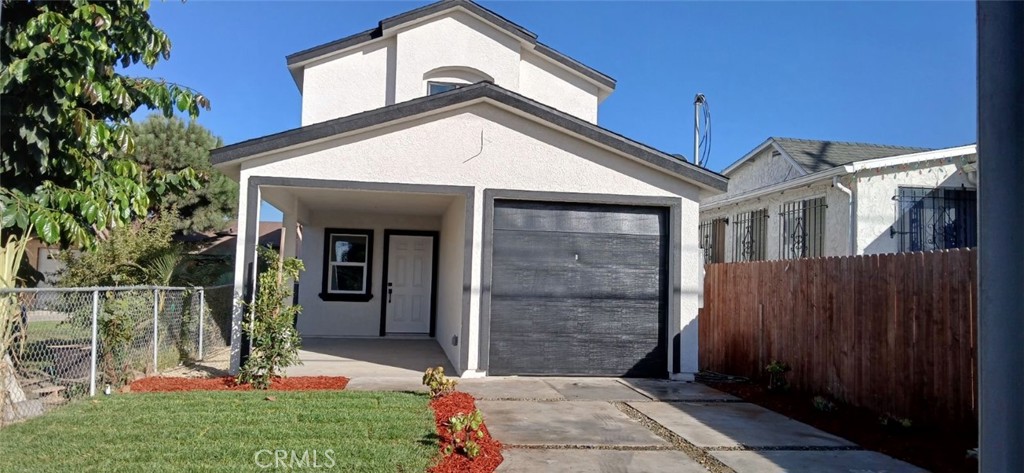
852 200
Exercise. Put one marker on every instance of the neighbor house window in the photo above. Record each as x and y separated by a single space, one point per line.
935 219
438 87
712 240
749 235
802 229
347 264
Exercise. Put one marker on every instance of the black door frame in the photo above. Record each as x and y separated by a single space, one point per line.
436 237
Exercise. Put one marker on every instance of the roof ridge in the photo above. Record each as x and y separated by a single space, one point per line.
854 143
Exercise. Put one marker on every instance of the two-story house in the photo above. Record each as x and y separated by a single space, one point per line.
791 198
451 182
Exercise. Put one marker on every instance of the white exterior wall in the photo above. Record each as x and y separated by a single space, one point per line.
517 153
837 218
396 68
551 85
457 40
450 279
762 170
321 318
351 83
876 210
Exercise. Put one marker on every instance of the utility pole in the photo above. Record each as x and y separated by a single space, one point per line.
1001 236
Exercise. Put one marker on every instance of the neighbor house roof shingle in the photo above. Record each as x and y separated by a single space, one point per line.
817 155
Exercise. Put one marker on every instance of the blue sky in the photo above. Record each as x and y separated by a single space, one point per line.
891 73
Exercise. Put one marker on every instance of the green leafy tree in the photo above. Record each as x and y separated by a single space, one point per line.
65 121
172 145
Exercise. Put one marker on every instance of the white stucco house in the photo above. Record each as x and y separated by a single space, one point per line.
792 198
450 181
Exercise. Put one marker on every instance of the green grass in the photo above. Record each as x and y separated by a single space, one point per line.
226 431
55 331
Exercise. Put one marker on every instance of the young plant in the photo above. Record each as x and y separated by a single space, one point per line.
777 375
898 423
822 404
11 322
270 322
465 432
438 383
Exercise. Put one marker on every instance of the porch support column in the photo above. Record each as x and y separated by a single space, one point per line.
293 213
245 263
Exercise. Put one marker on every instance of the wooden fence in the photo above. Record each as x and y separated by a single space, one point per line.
893 333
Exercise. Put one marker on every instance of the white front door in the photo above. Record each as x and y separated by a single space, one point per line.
407 292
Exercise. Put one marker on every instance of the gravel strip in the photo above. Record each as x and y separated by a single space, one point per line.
775 448
696 453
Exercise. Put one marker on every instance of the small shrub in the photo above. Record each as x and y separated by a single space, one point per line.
270 323
894 422
438 383
465 431
822 404
777 375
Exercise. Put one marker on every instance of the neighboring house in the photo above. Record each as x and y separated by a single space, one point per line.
219 247
42 257
792 198
452 183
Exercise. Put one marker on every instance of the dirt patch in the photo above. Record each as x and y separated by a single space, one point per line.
938 450
490 449
227 383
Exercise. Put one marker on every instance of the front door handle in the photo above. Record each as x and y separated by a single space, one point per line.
389 293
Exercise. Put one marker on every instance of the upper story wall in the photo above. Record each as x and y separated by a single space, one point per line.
455 46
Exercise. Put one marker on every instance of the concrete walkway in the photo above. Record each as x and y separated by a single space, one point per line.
371 364
623 425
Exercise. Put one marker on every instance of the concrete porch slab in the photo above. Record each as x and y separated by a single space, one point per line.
813 462
594 389
401 383
731 424
577 460
369 357
576 423
510 388
667 390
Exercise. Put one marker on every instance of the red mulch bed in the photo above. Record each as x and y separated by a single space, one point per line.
490 450
227 383
937 449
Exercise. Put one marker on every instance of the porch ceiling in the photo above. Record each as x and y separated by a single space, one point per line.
360 201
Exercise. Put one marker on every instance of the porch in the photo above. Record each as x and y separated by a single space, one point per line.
369 358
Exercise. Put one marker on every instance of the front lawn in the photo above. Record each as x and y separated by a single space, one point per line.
228 431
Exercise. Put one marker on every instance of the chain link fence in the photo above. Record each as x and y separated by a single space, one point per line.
74 342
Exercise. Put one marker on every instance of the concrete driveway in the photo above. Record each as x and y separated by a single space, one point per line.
626 425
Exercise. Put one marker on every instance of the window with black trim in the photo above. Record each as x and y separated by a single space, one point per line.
438 87
348 261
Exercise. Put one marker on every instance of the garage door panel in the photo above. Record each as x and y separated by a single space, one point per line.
574 218
527 247
535 355
578 289
569 315
626 283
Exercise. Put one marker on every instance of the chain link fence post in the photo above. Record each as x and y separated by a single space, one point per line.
95 341
202 312
156 330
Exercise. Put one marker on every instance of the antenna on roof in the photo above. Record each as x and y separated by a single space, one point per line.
701 110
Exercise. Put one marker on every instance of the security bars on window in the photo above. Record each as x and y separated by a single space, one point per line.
935 219
712 240
802 229
749 234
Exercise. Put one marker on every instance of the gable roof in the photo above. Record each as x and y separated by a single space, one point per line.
817 155
810 156
296 60
481 91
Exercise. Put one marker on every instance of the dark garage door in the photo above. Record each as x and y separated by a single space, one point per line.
578 289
